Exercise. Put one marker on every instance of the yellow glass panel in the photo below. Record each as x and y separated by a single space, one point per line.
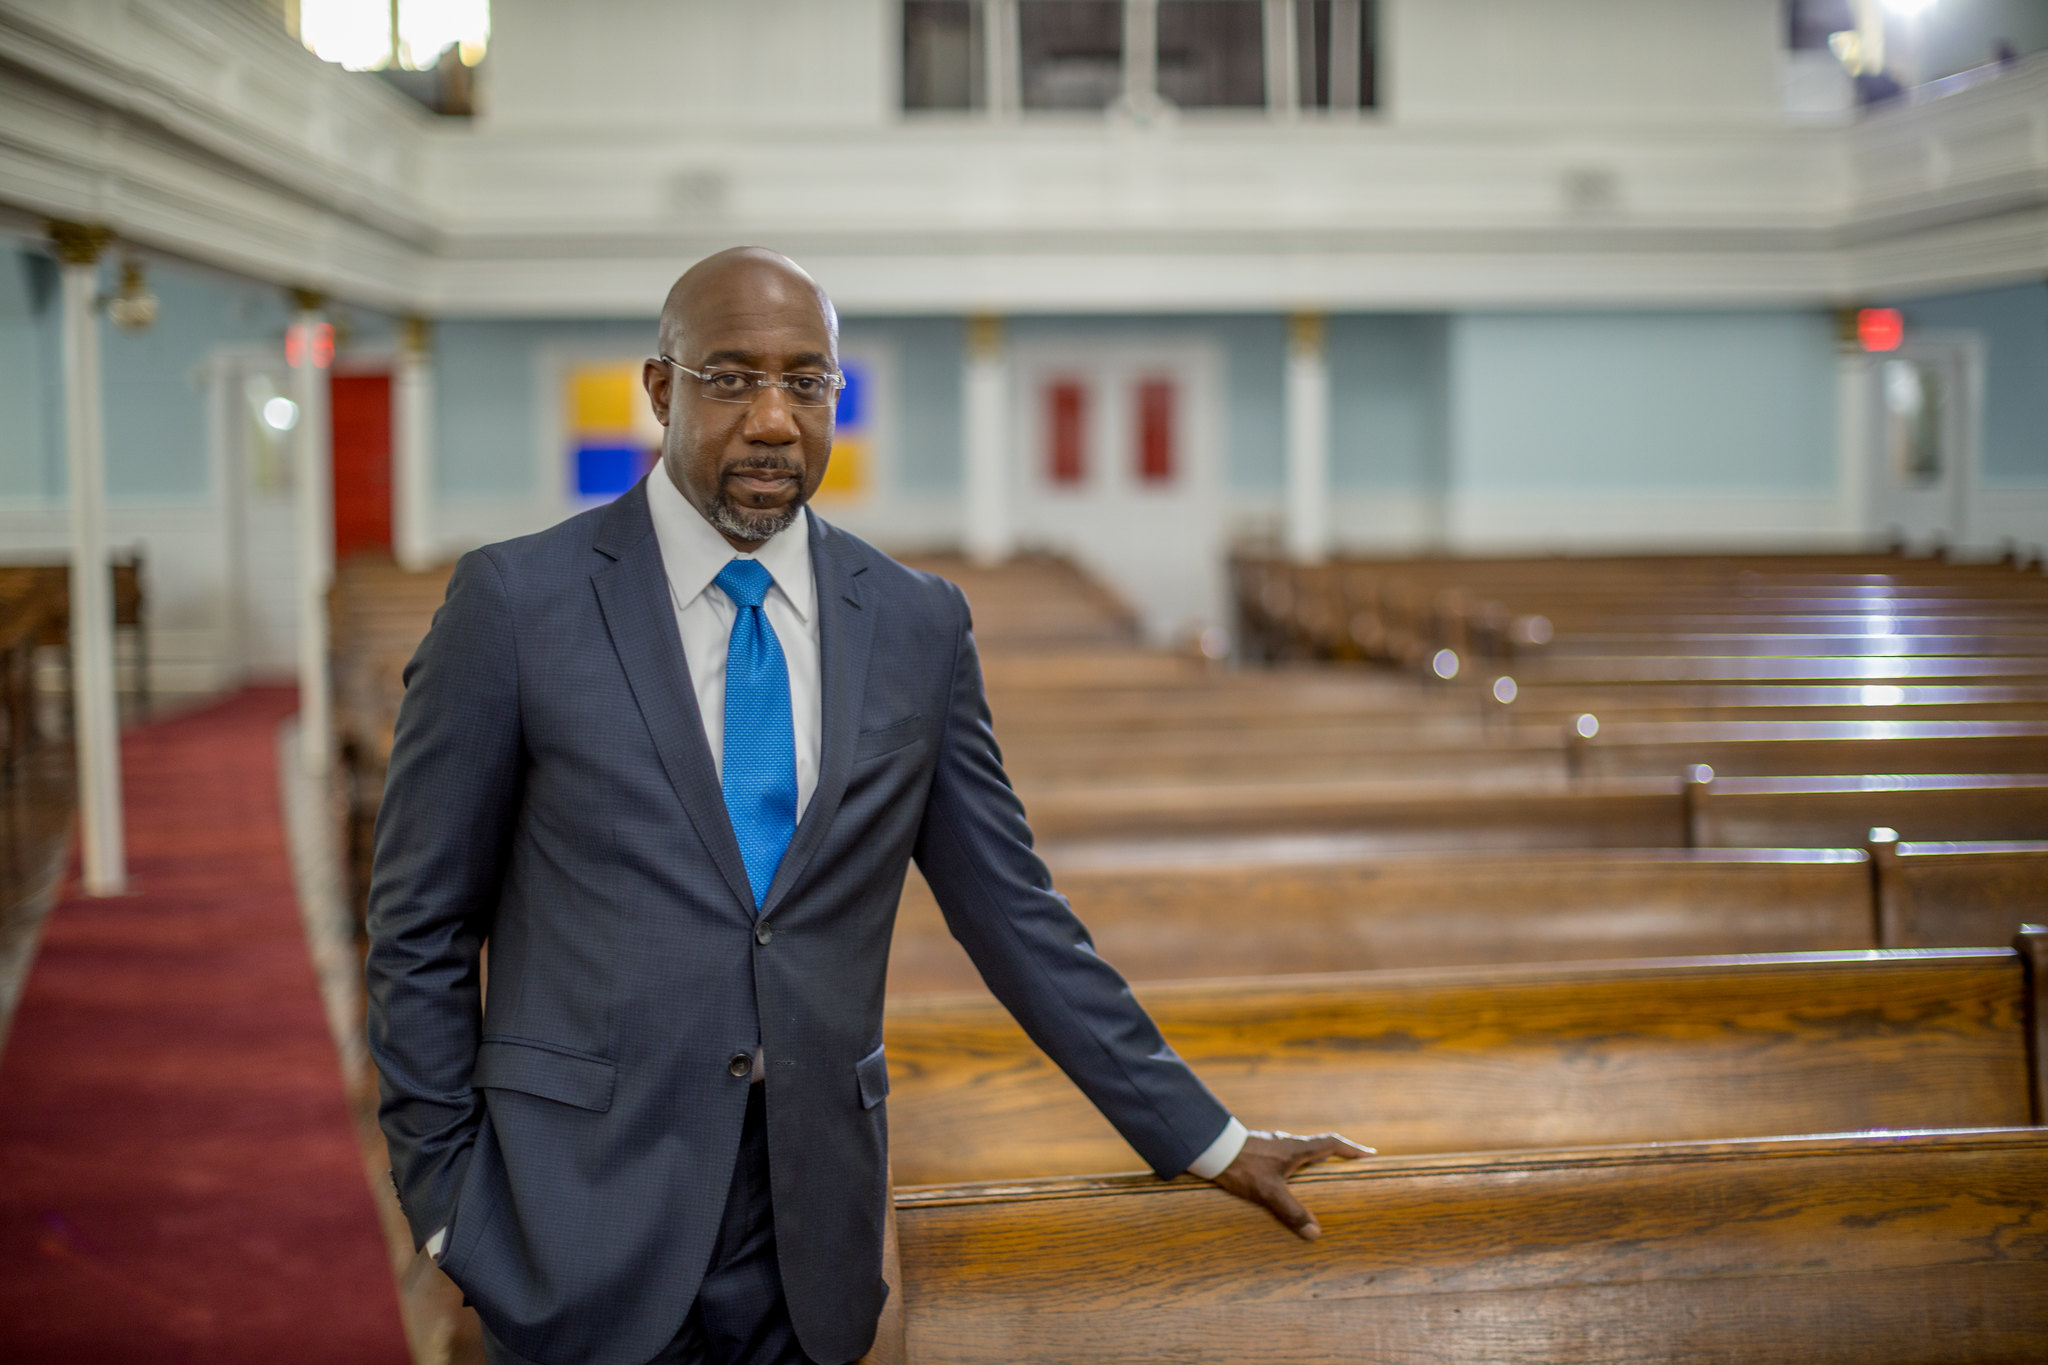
601 398
846 477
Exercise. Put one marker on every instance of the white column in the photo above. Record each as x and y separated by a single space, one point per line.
1308 440
1854 400
1347 36
311 354
95 720
412 448
1141 59
1283 80
1000 59
986 531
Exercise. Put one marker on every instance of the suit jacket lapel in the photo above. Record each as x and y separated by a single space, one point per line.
633 592
845 630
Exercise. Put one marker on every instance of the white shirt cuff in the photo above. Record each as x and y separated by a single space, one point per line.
439 1243
1214 1161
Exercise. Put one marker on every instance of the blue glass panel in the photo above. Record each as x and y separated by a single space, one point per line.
607 471
853 405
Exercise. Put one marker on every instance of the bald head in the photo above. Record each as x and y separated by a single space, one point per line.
746 456
744 285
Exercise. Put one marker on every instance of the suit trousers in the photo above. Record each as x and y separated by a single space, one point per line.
741 1316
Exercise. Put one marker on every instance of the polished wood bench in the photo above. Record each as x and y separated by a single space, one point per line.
1941 895
1473 1059
1209 916
1899 1249
1530 813
1840 811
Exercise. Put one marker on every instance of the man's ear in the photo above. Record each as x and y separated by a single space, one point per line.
656 379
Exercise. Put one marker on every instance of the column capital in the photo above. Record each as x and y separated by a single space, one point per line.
78 243
1305 331
984 335
415 337
307 299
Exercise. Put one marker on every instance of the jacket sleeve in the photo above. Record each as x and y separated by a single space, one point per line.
974 848
451 799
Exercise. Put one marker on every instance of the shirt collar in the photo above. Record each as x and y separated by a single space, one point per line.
693 552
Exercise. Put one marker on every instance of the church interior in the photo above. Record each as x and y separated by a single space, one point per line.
1506 543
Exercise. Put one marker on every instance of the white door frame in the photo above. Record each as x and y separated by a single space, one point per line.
1859 430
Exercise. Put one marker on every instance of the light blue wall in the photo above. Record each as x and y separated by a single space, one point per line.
1388 401
1255 386
31 420
2013 322
155 380
488 398
156 389
1651 402
928 354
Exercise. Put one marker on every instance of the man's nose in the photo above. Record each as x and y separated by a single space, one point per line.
769 420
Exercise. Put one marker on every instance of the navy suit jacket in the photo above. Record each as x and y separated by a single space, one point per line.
551 792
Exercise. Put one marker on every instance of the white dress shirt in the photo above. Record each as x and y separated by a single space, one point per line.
692 553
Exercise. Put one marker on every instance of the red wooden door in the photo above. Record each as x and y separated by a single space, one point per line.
361 408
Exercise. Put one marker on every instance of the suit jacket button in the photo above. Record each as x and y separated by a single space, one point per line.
741 1064
763 932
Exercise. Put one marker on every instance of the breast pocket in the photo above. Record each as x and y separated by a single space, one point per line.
887 739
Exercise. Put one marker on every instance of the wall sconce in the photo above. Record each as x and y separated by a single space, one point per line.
133 306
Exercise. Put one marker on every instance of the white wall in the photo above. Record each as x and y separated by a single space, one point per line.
1607 60
681 65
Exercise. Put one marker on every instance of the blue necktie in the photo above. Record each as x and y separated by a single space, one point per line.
760 741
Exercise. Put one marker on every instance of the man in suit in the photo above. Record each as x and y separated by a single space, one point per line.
671 759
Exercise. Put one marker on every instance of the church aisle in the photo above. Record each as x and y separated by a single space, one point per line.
182 1180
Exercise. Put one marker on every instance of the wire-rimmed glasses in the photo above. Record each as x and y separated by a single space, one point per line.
740 386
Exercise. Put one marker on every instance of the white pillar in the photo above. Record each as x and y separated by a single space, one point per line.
1308 440
311 352
1854 400
986 530
1283 54
1001 66
1141 59
95 720
1347 37
412 449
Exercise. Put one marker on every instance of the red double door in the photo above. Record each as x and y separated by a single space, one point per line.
360 406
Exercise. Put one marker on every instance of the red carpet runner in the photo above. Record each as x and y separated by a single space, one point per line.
178 1176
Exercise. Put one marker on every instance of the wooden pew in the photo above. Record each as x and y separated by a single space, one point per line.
1597 812
1835 812
1472 1059
1939 895
1533 813
1205 916
1844 1250
47 586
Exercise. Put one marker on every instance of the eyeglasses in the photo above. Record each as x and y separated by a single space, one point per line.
741 386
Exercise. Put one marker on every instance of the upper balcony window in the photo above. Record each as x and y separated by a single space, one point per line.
425 48
1138 57
1070 53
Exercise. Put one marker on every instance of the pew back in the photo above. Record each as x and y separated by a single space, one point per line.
1204 916
1836 812
1502 1057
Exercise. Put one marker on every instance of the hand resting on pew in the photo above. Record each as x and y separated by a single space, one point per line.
1259 1174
